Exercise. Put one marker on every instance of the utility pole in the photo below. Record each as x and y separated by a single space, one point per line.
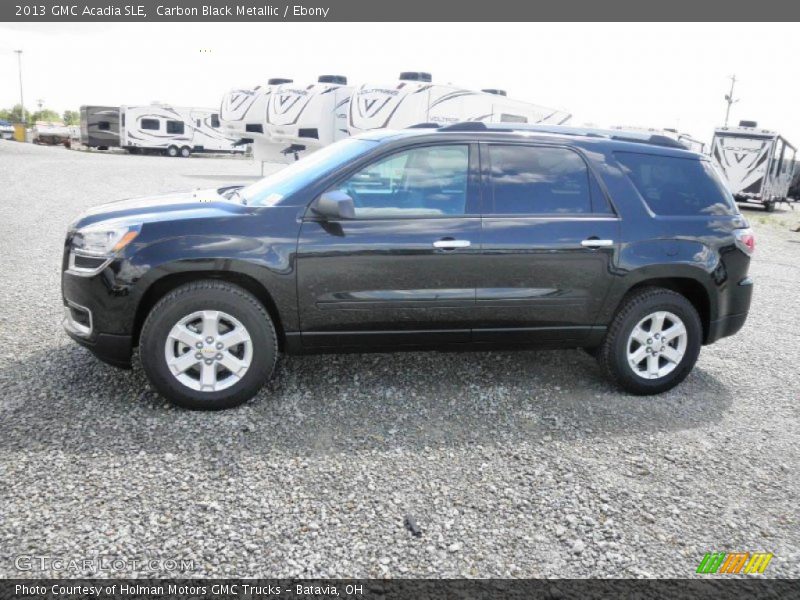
730 100
21 99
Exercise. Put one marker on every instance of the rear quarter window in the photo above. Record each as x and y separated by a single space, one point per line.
675 186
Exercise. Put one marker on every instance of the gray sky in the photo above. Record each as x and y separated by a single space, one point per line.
656 75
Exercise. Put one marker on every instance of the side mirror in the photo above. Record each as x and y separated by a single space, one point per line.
334 205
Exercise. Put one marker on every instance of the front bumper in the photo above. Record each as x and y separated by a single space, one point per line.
113 349
98 315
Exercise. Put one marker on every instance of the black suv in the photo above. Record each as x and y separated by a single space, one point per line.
469 236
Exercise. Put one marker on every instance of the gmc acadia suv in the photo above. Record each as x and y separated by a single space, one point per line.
470 236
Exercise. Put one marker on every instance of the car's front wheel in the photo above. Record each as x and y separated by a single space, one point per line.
653 342
208 345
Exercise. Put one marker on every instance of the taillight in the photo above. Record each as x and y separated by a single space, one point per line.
745 240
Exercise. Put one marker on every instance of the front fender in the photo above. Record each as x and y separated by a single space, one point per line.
268 260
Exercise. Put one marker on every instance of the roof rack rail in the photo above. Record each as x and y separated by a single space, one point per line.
611 134
424 126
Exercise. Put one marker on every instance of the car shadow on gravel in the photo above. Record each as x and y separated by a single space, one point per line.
69 401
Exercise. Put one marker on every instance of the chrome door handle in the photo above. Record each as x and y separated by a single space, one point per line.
451 244
595 243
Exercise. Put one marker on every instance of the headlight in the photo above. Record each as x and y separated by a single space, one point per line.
103 240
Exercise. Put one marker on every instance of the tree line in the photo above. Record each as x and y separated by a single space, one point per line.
15 115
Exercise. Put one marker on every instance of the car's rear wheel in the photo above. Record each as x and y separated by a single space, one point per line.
653 342
186 152
208 345
173 151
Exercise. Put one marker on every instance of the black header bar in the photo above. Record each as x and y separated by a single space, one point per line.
396 10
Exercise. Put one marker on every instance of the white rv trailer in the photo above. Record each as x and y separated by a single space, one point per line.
684 139
757 164
242 112
171 130
414 99
243 115
309 116
100 126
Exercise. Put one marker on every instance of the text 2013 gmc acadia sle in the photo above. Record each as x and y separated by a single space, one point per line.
467 236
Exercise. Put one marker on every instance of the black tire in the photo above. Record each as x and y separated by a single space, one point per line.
172 151
186 152
208 295
613 351
769 206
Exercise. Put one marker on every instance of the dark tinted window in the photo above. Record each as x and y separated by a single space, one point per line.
175 127
428 181
103 125
677 186
215 120
538 180
150 124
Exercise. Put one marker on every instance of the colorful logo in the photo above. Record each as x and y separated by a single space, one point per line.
734 562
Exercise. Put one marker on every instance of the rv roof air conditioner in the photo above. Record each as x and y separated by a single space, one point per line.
337 79
748 124
416 76
495 92
278 81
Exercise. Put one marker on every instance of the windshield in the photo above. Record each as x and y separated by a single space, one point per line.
273 188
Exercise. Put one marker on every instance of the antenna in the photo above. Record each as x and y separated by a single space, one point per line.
730 100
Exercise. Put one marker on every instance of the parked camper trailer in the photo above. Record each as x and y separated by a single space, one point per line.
309 116
415 99
100 127
174 131
243 115
243 111
758 164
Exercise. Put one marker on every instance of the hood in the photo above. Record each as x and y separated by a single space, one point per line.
196 204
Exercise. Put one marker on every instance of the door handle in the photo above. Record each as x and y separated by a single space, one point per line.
450 244
595 243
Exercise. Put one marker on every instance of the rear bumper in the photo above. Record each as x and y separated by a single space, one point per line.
739 307
724 327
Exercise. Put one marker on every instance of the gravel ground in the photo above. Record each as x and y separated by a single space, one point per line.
513 464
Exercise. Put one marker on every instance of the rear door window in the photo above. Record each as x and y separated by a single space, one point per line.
675 186
538 180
